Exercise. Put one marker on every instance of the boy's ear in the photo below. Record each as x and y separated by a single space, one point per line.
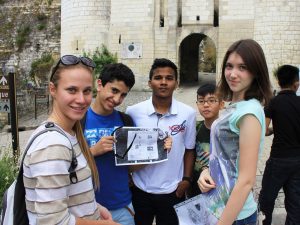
296 85
222 104
99 84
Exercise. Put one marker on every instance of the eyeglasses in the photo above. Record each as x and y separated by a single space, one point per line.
69 60
209 101
129 147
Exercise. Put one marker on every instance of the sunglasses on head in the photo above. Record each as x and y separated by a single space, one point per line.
69 60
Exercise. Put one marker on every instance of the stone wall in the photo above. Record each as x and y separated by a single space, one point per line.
158 28
277 29
43 21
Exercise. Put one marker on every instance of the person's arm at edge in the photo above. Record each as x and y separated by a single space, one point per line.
269 130
80 221
189 161
250 132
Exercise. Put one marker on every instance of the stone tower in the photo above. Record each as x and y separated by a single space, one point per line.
84 25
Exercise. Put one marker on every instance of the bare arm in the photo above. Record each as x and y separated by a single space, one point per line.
80 221
189 160
250 132
269 130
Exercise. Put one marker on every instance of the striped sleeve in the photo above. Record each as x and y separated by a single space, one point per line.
50 197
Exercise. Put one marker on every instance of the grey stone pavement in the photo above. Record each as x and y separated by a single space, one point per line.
186 94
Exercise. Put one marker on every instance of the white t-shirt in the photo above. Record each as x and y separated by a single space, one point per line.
180 123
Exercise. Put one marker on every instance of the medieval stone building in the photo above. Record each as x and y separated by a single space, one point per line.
142 30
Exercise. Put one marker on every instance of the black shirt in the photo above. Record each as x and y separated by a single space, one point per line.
284 111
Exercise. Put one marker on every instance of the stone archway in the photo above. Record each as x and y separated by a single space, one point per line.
194 52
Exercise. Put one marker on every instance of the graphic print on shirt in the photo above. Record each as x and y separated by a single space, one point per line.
179 128
222 162
94 135
202 155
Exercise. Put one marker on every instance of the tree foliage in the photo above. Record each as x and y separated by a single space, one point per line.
101 56
208 56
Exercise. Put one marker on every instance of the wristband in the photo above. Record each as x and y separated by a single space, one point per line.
187 179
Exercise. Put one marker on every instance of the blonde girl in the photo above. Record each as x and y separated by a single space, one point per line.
52 196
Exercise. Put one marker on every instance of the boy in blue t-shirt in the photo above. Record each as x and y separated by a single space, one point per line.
209 106
113 85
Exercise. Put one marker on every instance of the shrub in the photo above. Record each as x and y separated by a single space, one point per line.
8 172
22 35
101 57
41 26
41 67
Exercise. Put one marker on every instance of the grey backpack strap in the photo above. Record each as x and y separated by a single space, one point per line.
50 126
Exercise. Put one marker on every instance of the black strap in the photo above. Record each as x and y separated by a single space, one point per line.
127 120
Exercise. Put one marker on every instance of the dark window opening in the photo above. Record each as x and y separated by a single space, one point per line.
162 22
216 18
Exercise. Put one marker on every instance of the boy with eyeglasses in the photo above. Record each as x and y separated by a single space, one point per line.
209 106
113 85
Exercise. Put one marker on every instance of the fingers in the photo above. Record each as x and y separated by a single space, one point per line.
168 143
205 181
181 189
205 186
105 144
105 214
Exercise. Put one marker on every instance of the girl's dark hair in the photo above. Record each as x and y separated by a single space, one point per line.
253 56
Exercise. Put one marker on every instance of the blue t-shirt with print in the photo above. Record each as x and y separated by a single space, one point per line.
114 190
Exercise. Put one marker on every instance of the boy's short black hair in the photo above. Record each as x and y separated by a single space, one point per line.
287 75
160 63
117 71
206 89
